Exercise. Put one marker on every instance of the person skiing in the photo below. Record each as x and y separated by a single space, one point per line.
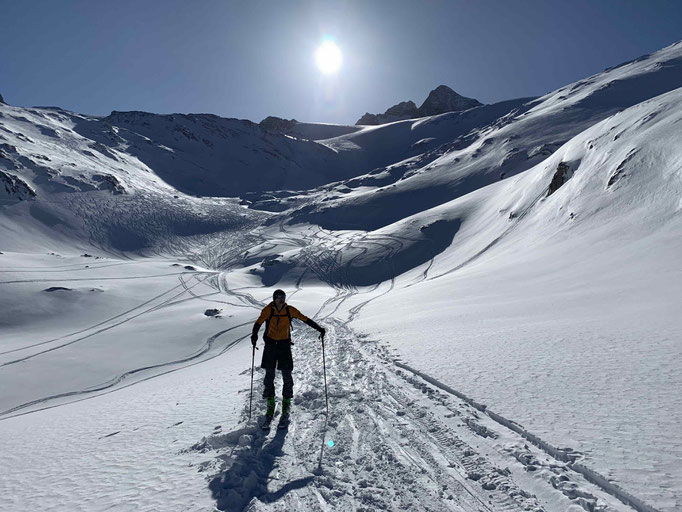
278 316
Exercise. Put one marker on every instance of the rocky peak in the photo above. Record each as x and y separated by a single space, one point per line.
2 101
277 124
403 110
443 99
368 119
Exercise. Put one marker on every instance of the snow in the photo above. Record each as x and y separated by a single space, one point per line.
515 324
124 449
490 346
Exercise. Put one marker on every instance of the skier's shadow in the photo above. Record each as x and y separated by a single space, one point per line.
247 476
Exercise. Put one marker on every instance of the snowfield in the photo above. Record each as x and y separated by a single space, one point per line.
500 288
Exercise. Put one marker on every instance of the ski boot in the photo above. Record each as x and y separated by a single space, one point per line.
286 409
269 412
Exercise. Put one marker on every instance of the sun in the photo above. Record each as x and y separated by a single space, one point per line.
328 58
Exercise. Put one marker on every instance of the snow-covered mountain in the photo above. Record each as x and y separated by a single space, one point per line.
500 286
496 150
195 154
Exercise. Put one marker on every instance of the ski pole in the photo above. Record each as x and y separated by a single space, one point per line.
324 370
253 357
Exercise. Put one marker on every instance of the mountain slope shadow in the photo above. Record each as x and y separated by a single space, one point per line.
381 256
248 472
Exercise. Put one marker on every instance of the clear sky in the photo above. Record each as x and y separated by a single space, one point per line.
250 59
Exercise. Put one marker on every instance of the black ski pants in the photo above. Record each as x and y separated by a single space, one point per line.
269 382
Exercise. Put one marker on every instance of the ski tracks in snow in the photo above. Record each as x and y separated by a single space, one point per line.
160 301
399 443
393 440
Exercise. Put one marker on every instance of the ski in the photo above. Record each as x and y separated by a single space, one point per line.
267 420
283 422
266 423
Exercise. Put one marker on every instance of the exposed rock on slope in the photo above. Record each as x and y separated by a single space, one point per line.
109 182
14 187
562 174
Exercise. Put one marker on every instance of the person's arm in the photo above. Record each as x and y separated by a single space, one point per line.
257 324
320 329
295 313
254 333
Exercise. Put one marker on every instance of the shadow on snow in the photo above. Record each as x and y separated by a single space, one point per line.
248 473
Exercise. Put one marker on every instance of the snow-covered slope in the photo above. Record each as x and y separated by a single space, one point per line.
195 154
575 292
513 144
494 344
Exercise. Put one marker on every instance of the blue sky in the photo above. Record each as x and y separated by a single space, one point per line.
251 59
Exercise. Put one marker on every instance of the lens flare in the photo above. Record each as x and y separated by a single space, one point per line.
330 443
328 58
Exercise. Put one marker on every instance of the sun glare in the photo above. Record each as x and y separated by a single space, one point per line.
328 58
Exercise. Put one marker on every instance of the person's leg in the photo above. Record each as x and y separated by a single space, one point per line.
269 391
288 387
269 383
287 391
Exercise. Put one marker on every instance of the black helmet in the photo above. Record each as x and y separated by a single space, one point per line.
277 293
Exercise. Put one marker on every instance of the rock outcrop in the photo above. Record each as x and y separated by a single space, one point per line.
108 182
2 100
442 99
14 187
561 176
403 110
274 124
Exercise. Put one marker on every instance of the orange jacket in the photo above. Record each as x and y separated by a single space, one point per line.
278 323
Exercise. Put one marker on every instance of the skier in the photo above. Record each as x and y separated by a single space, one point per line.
277 353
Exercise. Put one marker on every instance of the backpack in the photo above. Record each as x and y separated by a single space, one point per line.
272 313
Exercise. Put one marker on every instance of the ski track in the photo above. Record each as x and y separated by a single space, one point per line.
401 440
400 443
125 278
37 344
117 320
76 267
115 324
113 384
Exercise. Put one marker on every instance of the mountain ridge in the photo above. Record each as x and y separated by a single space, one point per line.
440 100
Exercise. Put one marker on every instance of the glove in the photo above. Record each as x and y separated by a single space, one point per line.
254 339
323 331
